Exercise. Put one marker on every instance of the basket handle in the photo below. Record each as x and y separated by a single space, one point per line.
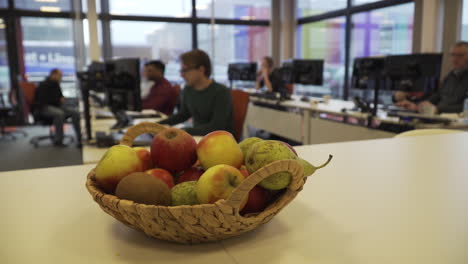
240 193
138 129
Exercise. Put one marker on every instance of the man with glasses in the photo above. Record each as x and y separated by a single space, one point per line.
450 96
207 102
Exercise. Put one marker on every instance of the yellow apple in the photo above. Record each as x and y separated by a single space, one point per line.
219 147
117 162
217 183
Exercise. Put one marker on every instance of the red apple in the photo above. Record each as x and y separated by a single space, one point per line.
244 171
257 201
219 147
145 157
163 175
174 150
217 183
190 174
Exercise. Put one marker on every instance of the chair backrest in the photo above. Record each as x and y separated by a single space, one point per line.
428 131
29 92
240 102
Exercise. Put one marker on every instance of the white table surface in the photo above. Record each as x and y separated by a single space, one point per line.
399 200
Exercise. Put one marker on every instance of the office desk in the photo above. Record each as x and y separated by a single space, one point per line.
303 122
399 200
320 123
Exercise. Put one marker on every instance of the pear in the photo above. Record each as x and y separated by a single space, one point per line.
143 188
265 152
309 169
184 193
247 143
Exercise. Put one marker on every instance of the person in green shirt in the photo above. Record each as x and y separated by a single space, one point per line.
207 102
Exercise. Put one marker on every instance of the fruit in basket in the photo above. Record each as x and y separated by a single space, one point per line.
143 188
145 157
244 171
265 152
217 183
219 147
117 162
190 174
184 193
290 147
174 150
163 175
257 201
309 169
247 143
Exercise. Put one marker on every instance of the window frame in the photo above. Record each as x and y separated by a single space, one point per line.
348 12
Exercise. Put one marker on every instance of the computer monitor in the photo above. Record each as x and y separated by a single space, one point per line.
296 71
242 71
414 72
123 84
367 69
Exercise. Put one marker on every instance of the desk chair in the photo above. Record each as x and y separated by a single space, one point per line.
429 131
8 110
240 103
29 90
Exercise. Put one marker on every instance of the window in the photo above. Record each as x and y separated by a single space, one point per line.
307 8
3 3
464 25
324 40
44 5
4 69
361 2
235 9
382 32
152 40
232 43
172 8
47 44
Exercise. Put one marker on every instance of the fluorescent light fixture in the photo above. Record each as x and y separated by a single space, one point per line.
46 1
247 17
201 7
49 9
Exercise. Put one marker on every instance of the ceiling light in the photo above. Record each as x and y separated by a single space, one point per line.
49 9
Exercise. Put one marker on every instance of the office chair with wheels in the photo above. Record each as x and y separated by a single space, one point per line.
8 110
240 103
29 90
42 120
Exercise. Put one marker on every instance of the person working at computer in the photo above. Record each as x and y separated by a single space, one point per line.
49 101
162 96
450 96
207 102
269 77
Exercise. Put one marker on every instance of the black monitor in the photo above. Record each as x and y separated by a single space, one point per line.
123 84
302 71
242 71
367 69
414 72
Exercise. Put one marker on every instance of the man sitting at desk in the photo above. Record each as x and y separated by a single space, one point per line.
450 96
162 96
208 103
48 101
269 77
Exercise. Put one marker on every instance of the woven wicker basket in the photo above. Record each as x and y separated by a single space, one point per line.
196 223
